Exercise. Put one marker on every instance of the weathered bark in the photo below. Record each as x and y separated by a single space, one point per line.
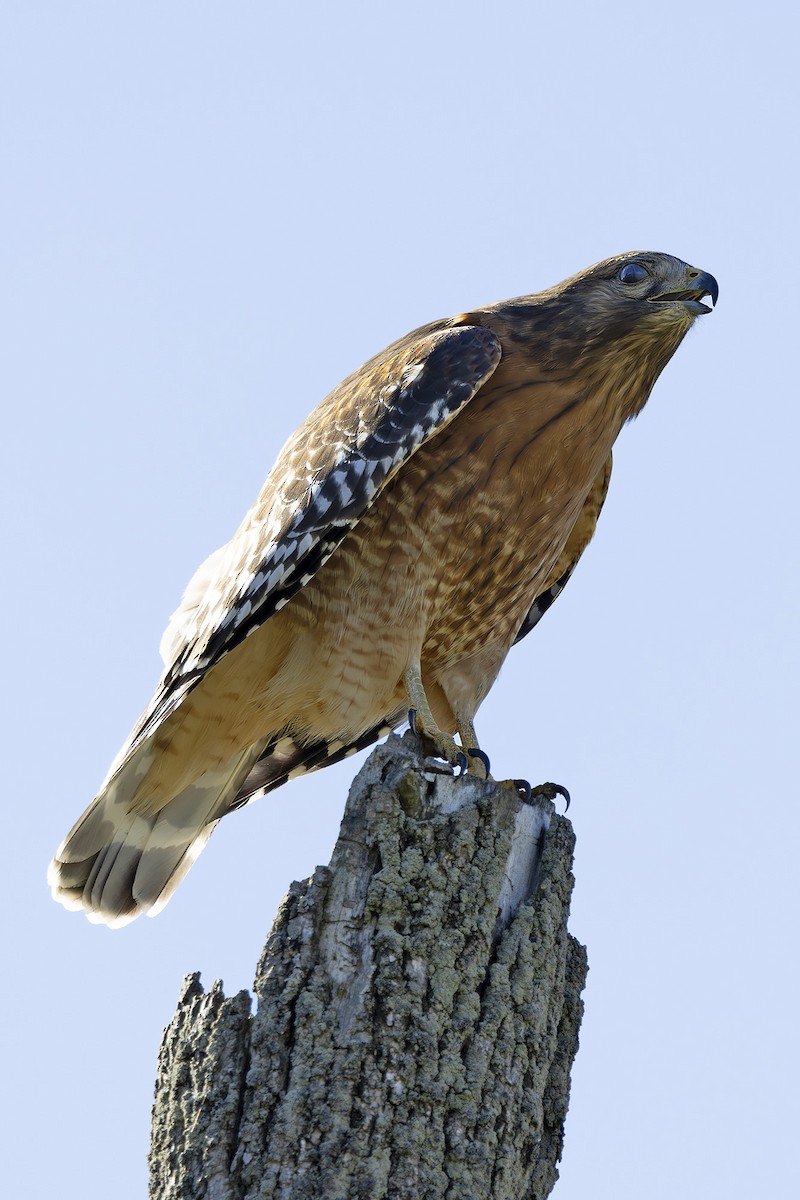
418 1013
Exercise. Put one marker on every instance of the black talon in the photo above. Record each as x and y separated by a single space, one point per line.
558 790
461 763
412 719
548 790
551 790
476 753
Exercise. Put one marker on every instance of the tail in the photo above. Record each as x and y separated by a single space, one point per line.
117 863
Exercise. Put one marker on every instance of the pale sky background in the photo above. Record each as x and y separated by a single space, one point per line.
211 214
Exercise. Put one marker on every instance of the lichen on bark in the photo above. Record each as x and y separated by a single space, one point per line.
418 1005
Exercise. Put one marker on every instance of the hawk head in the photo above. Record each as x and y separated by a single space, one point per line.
623 319
646 287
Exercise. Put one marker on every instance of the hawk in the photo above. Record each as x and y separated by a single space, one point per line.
414 528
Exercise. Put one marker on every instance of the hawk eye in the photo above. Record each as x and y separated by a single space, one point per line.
633 273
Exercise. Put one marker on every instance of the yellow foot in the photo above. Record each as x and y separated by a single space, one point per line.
528 794
467 757
437 742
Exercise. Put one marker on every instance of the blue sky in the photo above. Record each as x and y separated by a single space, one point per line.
211 215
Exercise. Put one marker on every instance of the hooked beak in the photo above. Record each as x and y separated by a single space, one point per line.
701 284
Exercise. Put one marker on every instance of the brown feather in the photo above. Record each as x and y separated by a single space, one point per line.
488 510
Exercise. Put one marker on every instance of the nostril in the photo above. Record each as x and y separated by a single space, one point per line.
693 274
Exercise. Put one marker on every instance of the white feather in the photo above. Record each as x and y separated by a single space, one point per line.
183 621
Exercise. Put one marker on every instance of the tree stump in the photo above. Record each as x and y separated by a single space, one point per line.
418 1005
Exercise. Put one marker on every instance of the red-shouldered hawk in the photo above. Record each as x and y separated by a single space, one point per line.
413 529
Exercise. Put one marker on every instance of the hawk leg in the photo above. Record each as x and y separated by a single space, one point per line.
469 740
444 744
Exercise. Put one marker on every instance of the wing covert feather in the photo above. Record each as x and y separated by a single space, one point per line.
326 477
